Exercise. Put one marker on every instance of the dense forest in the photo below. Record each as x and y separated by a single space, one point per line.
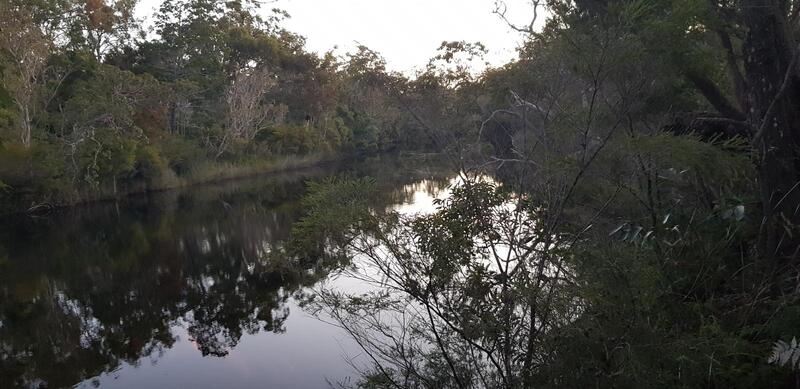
93 104
628 207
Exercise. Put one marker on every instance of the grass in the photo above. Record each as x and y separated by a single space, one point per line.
214 172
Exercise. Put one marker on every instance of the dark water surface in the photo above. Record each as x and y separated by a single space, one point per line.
182 289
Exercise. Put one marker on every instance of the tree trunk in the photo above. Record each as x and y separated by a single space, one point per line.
173 117
25 125
774 93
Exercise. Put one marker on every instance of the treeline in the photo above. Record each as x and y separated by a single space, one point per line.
94 104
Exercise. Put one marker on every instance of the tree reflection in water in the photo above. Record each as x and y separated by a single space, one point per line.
88 289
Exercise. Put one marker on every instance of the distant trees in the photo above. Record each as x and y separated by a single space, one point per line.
370 106
219 82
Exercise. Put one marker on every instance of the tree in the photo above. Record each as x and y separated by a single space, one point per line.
773 98
104 25
248 113
26 50
739 57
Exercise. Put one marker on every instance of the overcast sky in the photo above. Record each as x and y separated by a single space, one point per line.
406 32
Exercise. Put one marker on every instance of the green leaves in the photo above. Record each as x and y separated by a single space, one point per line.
336 208
449 236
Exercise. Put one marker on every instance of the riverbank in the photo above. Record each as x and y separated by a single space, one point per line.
205 173
211 173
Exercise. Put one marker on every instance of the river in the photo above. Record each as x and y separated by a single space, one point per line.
180 289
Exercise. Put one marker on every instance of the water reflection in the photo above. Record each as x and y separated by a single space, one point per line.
191 279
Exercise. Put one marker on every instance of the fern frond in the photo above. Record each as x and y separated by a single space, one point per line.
786 354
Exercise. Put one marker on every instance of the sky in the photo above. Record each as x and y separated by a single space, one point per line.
406 32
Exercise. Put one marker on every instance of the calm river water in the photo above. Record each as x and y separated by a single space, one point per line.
182 289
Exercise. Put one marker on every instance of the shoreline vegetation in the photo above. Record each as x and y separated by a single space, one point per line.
213 173
216 174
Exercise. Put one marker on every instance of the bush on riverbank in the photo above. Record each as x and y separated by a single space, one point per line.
36 177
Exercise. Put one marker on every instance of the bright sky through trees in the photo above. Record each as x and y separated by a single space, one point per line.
406 32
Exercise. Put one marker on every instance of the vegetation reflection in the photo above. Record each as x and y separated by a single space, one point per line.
83 292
